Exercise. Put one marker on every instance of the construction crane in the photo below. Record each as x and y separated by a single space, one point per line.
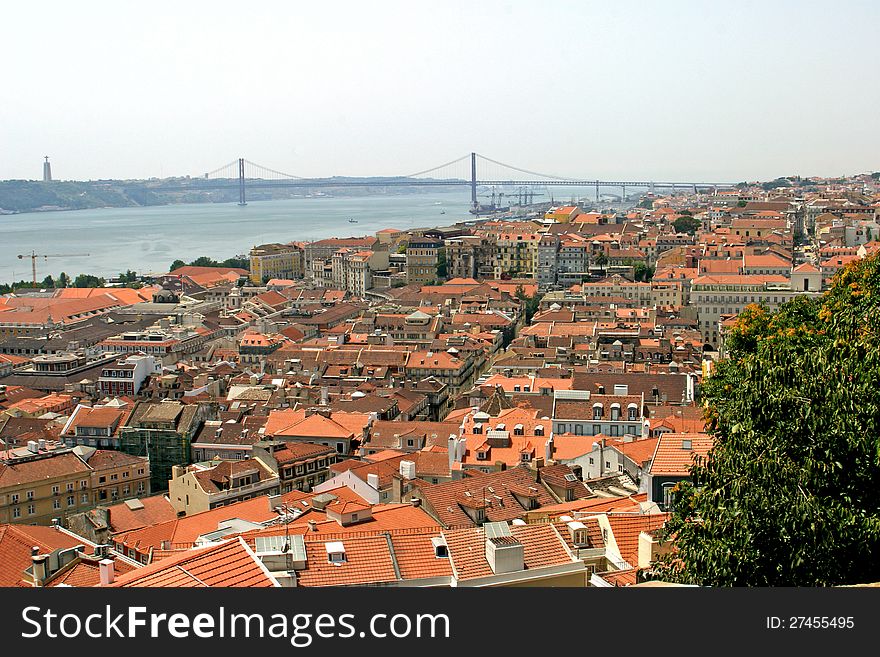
33 256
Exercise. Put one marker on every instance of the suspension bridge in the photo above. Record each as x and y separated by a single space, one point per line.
244 174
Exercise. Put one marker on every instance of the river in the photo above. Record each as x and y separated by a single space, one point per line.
149 239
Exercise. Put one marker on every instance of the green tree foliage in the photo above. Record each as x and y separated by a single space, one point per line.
646 203
530 303
442 269
128 277
789 494
6 288
642 272
63 280
205 261
686 224
87 280
601 259
48 282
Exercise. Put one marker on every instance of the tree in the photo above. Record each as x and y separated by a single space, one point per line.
48 282
642 272
87 280
646 203
128 277
788 494
601 259
204 261
530 304
740 204
686 224
177 264
442 270
63 280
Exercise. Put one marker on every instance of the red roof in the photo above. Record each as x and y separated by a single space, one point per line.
229 564
16 542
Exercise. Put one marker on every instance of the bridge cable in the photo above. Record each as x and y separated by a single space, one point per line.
278 173
232 164
531 173
419 173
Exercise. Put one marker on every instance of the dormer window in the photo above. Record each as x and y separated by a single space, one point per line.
525 457
441 550
482 455
518 430
335 552
633 411
478 428
597 411
539 430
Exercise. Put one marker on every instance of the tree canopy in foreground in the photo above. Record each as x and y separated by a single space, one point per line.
790 493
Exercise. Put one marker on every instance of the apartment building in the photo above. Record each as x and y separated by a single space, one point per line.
42 481
269 261
727 295
422 256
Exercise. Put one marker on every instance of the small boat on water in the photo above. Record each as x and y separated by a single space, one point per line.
352 221
442 211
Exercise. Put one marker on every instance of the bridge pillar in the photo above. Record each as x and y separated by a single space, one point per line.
474 203
597 191
241 198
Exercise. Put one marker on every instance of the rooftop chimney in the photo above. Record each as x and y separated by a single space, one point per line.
108 571
504 554
39 566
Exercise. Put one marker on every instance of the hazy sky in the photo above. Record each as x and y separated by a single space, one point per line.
716 91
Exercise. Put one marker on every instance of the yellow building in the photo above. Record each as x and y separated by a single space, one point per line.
517 254
270 261
562 215
39 484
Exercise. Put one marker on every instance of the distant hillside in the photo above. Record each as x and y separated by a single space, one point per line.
37 196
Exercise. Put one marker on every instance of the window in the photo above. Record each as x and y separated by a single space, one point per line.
84 498
30 496
562 428
140 488
55 490
125 475
667 495
71 500
597 412
114 477
102 480
632 411
591 461
56 504
83 484
70 487
597 429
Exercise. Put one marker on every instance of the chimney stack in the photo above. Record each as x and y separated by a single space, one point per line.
39 566
108 571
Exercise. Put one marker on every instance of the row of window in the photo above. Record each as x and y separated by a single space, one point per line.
71 500
613 430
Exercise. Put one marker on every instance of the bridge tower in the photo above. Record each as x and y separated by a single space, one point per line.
474 203
241 198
